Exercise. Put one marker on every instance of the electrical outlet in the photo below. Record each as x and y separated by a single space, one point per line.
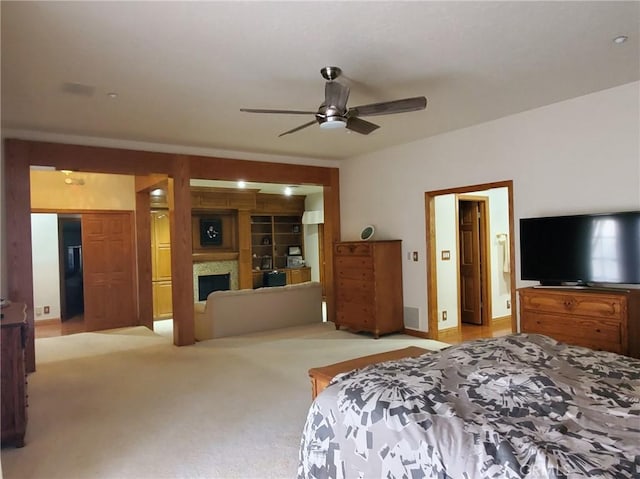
508 304
46 310
444 316
38 311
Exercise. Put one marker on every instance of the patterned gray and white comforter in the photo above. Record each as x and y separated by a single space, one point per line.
512 407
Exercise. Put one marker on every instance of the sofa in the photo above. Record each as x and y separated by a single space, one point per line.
242 311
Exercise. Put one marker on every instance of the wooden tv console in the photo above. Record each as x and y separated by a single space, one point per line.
601 319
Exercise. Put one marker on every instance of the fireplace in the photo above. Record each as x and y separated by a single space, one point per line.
212 282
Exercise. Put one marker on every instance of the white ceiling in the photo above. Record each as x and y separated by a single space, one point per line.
182 70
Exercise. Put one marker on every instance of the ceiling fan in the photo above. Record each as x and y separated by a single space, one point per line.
333 112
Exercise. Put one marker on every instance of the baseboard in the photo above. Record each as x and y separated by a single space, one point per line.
47 322
417 334
448 332
501 322
425 335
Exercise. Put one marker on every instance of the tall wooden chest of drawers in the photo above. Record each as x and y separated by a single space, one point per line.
601 319
368 285
14 380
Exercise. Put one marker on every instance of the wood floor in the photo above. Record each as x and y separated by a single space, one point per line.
52 328
469 332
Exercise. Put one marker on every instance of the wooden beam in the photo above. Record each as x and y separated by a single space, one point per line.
181 266
96 159
150 182
18 238
245 276
230 169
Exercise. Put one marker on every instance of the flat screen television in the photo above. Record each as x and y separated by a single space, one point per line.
583 250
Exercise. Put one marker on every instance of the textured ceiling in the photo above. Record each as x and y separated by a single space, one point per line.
182 70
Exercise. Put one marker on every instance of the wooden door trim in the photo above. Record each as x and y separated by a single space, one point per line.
432 311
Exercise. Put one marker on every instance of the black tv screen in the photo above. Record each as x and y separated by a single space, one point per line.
582 249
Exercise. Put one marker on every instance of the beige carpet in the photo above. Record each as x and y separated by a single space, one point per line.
128 404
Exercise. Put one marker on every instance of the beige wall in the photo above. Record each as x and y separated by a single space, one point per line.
576 156
99 192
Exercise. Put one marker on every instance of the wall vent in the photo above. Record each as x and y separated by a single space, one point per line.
411 318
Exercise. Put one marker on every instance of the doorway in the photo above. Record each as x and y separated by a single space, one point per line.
70 253
468 265
473 264
90 270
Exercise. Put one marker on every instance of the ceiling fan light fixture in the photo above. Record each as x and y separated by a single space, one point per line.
333 122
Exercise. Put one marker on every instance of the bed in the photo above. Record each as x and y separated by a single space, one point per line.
511 407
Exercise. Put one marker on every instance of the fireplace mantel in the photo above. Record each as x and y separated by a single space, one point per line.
215 256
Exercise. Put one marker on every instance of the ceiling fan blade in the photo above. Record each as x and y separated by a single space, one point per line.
336 95
389 107
298 128
285 112
360 126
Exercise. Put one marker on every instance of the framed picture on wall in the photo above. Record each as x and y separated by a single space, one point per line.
210 231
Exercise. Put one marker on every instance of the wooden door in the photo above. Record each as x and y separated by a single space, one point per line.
470 278
109 270
162 243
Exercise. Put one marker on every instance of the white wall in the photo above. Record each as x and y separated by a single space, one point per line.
46 270
576 156
447 270
313 202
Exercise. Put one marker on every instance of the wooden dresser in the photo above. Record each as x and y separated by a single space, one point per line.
601 319
14 381
368 282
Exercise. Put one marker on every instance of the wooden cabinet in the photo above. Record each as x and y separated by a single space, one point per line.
222 199
161 264
298 275
294 276
601 319
271 237
14 381
368 286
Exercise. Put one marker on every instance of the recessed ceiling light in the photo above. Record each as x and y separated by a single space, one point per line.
112 94
620 39
288 191
242 184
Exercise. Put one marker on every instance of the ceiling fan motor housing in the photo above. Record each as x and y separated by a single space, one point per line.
331 117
